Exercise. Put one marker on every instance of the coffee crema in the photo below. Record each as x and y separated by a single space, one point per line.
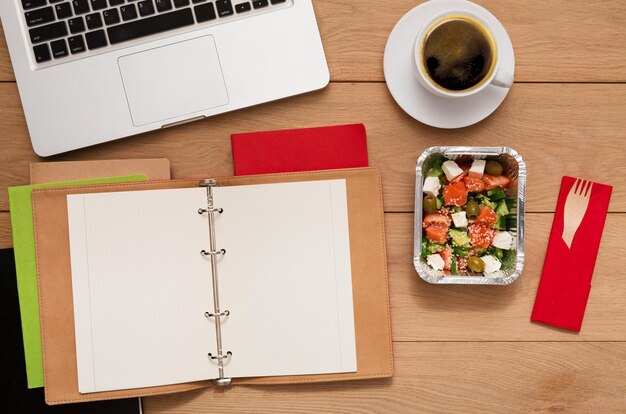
458 53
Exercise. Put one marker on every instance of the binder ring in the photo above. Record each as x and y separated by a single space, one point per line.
213 253
210 210
211 315
220 357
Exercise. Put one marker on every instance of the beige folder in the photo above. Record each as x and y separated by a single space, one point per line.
57 172
369 282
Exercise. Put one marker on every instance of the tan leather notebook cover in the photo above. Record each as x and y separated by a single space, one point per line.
369 281
57 172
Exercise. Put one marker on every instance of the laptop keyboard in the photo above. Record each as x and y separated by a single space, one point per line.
60 29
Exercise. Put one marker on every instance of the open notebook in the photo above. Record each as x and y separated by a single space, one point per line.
145 296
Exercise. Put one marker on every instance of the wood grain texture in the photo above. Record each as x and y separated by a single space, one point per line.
573 41
423 312
444 378
6 241
563 129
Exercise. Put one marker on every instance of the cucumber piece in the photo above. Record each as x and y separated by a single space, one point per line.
511 221
459 237
434 247
499 253
501 223
502 209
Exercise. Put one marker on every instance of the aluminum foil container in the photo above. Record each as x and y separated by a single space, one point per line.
515 169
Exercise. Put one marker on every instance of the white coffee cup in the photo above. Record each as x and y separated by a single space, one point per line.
497 76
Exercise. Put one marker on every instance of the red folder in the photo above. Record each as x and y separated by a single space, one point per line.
567 272
308 149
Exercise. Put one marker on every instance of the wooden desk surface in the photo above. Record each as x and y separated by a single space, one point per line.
457 348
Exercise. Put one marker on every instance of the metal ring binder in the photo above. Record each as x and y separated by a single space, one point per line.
212 315
221 357
213 253
213 210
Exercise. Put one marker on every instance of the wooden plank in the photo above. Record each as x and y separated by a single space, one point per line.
424 312
547 37
6 241
355 34
456 377
6 70
557 130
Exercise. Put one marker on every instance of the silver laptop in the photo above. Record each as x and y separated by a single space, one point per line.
91 71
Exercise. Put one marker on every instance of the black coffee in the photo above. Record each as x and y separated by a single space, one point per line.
457 54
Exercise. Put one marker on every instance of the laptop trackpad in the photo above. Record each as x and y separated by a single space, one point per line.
173 81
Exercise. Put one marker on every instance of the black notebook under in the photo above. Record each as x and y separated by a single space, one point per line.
14 394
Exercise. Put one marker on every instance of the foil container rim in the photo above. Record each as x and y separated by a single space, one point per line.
521 198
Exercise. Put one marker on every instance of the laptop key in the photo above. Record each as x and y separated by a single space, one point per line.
115 2
198 1
31 4
278 1
129 12
48 32
111 16
64 10
96 39
77 25
94 21
181 3
39 16
205 12
243 7
59 48
224 8
42 53
77 44
150 25
146 8
257 4
163 5
80 6
98 4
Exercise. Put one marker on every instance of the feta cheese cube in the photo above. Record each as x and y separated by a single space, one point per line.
502 240
432 186
491 264
477 169
451 170
494 275
460 219
435 261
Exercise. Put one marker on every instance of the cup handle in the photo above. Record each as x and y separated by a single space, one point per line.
503 79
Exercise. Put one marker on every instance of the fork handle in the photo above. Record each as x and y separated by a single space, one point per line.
568 236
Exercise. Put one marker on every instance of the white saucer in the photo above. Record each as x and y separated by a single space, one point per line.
417 101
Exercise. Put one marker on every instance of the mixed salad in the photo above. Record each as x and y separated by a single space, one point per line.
466 217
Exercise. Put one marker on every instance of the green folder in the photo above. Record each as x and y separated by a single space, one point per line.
21 207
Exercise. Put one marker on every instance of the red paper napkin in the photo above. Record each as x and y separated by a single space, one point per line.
308 149
566 277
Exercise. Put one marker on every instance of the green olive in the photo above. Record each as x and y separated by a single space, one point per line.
430 204
493 168
476 264
472 209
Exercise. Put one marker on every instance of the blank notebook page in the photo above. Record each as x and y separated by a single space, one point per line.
141 288
286 279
